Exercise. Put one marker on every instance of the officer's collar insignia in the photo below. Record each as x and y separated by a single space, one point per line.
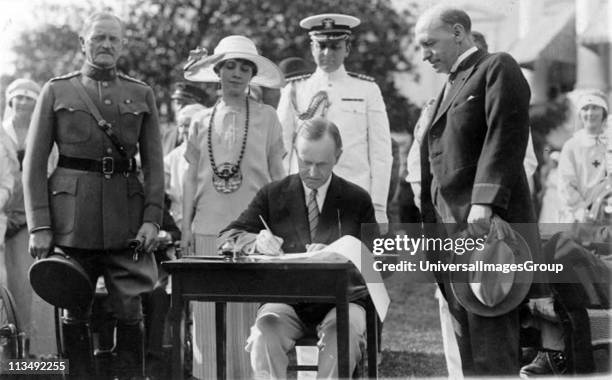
98 73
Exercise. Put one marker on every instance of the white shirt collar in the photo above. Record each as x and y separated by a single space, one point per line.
321 192
462 58
334 75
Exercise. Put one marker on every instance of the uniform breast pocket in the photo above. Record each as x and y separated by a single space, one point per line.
132 114
63 203
74 122
353 115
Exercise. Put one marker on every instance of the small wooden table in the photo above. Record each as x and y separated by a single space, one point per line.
247 280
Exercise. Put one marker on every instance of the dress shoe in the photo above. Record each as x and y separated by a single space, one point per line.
546 363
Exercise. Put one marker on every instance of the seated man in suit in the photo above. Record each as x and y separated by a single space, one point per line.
304 211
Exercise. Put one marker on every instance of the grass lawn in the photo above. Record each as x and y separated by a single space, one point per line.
411 339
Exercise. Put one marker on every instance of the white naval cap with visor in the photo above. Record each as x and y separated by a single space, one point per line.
329 26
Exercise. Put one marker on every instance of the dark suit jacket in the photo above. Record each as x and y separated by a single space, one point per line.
282 204
473 150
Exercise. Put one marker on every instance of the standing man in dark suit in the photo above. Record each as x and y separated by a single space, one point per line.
472 168
305 212
94 204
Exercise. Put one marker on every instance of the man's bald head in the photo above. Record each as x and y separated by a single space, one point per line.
446 15
443 33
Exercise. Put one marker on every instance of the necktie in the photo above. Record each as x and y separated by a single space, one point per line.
313 213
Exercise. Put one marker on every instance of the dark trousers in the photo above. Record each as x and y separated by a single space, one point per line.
126 280
156 306
408 211
487 345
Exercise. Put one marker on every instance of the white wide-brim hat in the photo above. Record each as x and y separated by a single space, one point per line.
235 47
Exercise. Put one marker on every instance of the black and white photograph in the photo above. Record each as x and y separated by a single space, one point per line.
324 189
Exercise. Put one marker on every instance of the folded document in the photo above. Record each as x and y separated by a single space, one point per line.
346 248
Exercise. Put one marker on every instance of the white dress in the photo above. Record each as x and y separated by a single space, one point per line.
175 167
6 188
262 163
582 166
34 315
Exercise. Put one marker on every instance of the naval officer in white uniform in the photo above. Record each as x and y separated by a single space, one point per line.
352 101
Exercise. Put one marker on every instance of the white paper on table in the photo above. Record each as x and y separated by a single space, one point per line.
346 248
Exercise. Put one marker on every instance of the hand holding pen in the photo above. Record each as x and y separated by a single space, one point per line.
266 243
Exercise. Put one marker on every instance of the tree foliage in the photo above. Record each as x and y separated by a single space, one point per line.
160 34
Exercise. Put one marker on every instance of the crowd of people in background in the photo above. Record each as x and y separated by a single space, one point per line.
221 164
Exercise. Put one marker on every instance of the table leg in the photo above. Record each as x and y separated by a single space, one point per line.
220 319
372 337
342 324
178 331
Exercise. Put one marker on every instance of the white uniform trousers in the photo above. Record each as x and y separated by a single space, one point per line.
449 340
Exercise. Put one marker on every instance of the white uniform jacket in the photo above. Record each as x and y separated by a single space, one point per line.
354 103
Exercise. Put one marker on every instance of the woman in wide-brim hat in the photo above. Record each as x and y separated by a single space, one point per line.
233 150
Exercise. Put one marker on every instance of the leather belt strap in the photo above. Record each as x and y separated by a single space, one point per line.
104 125
107 165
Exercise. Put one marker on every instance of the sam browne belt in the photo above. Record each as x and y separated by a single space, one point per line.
107 165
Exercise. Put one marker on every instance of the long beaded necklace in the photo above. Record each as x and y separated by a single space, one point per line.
227 177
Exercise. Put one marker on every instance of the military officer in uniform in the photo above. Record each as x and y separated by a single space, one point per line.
93 204
351 101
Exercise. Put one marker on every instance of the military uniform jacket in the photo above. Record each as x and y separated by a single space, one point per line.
354 103
85 209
